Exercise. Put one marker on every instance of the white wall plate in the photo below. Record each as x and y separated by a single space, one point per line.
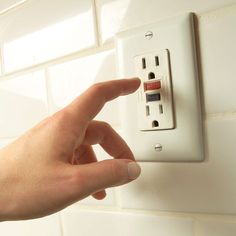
185 141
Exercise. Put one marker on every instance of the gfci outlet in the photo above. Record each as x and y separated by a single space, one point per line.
155 106
162 120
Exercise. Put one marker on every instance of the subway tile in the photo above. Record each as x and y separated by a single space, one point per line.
29 39
114 16
215 228
47 226
69 80
23 103
123 224
217 45
207 187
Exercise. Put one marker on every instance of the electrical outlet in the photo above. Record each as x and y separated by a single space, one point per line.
162 120
155 105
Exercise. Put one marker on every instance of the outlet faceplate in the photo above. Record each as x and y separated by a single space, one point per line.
181 137
154 102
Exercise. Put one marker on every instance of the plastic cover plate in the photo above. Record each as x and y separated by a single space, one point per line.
185 141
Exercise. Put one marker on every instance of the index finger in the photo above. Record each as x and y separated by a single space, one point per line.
88 104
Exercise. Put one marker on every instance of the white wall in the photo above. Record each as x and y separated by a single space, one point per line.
47 50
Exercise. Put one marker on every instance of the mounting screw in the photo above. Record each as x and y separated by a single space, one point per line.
158 147
149 35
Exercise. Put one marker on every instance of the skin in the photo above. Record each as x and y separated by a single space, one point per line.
53 165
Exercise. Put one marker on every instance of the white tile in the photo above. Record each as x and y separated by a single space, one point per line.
217 44
207 187
69 80
123 224
47 226
23 103
215 228
32 34
114 16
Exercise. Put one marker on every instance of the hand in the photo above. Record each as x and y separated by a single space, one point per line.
53 165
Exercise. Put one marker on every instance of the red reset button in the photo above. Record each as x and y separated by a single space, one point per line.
152 85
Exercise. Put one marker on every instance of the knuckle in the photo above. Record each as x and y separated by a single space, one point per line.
62 123
105 125
96 88
61 117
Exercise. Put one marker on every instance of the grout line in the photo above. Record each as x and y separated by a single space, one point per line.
61 224
83 53
221 115
192 216
213 14
108 208
96 24
13 7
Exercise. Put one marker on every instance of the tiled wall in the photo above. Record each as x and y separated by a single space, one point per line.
52 50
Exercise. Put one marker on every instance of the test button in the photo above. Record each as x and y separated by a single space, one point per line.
152 85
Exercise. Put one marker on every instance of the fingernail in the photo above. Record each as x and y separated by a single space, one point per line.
134 170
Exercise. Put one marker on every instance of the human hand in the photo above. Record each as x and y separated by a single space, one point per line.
53 165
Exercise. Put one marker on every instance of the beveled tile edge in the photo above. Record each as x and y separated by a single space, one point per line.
13 7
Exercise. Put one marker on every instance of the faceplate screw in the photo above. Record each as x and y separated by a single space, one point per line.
149 35
158 147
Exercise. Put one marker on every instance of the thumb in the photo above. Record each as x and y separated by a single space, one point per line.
97 176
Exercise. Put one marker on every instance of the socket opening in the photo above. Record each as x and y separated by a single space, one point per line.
161 109
157 61
155 124
143 63
147 111
151 75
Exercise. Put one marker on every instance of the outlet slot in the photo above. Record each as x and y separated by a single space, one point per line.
151 75
157 62
147 111
161 109
143 63
153 97
155 124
